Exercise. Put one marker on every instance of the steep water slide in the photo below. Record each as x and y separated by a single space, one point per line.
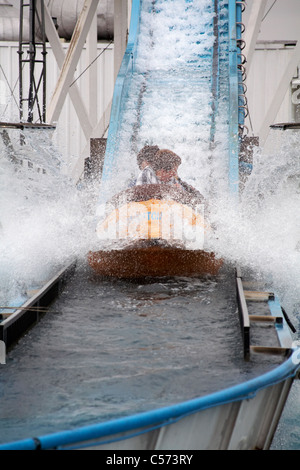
178 88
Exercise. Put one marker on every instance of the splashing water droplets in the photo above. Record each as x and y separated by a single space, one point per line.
44 221
263 231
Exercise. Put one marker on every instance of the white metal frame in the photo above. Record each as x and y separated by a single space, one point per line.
85 33
287 73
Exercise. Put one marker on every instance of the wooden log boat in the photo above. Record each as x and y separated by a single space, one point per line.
153 230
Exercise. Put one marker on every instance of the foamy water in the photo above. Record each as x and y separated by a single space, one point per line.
44 221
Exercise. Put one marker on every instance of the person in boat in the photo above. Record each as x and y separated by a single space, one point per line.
160 166
165 165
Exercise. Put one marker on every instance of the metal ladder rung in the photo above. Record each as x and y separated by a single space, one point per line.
4 315
265 318
245 296
270 350
258 295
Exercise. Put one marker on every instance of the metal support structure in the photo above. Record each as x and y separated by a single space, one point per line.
68 68
257 11
91 45
253 26
120 33
16 320
59 54
280 92
84 34
36 78
268 311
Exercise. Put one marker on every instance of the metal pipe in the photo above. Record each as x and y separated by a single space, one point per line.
67 12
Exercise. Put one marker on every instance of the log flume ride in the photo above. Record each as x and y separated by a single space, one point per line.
150 231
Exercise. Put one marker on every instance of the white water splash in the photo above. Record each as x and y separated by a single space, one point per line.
44 221
262 232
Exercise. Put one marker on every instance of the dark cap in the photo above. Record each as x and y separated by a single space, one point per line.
166 160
